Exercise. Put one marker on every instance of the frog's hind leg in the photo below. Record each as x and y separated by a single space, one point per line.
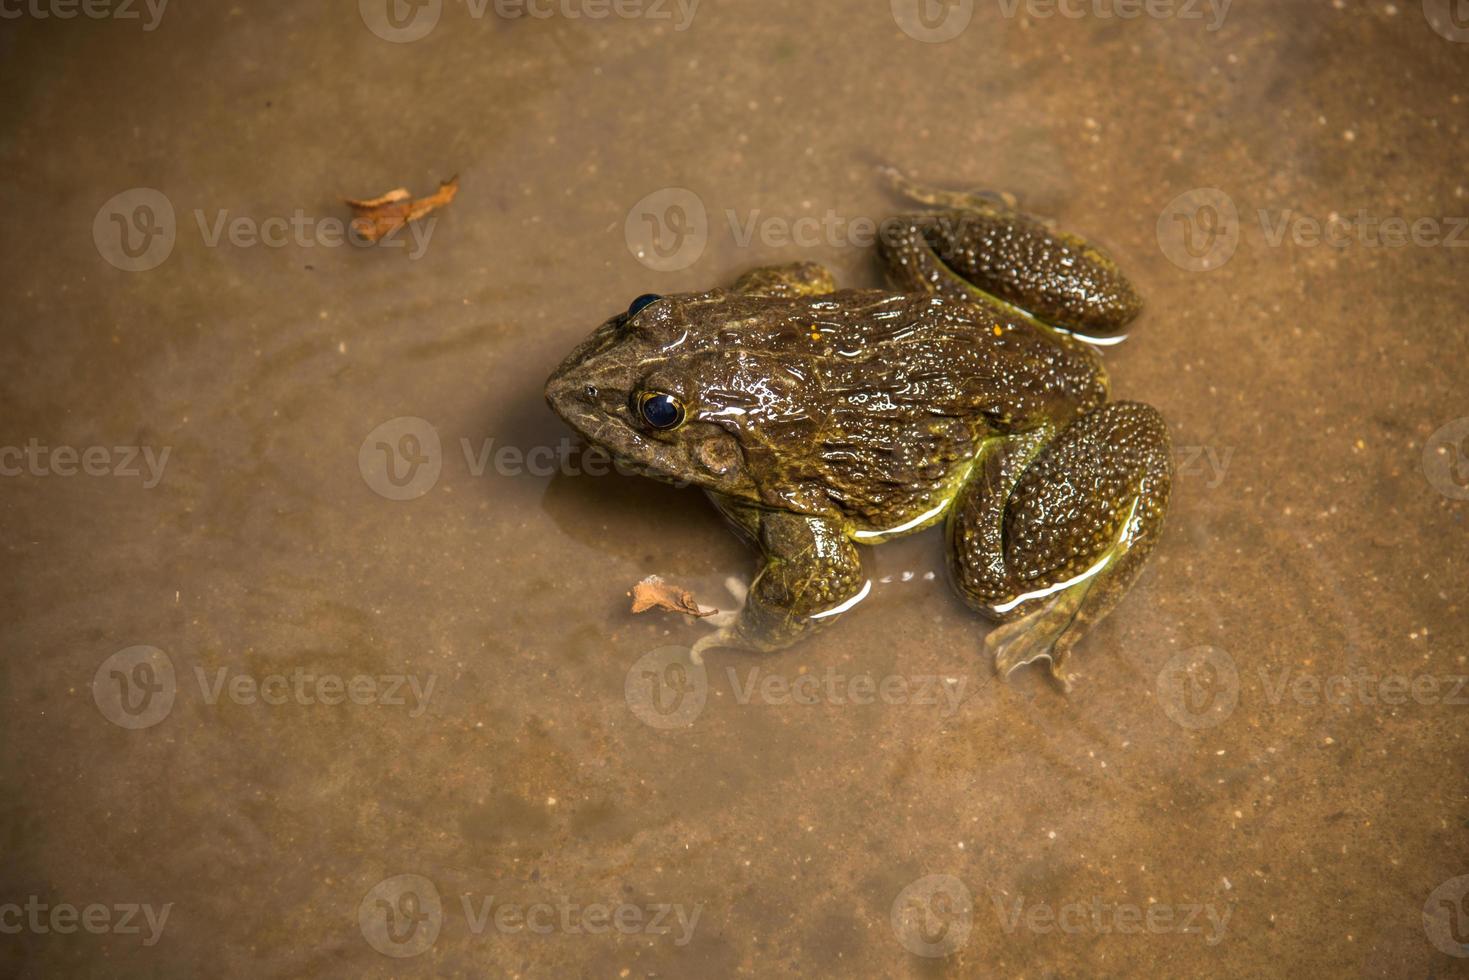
1048 541
988 252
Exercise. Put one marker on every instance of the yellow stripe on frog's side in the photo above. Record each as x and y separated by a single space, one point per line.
926 519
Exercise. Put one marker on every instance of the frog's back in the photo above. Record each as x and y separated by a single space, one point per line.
897 391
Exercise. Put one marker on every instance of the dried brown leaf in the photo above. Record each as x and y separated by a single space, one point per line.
391 197
381 216
654 593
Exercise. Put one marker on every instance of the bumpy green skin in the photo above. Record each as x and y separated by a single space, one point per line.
820 419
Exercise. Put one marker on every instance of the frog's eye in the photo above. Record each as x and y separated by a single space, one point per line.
637 305
660 410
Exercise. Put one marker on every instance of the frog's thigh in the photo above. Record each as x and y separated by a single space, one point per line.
1070 537
793 279
1015 258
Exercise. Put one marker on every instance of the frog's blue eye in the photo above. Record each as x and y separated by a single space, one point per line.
660 411
637 305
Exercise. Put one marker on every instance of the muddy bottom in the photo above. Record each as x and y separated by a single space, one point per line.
318 658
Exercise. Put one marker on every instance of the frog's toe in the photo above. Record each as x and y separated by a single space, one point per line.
979 200
723 637
739 590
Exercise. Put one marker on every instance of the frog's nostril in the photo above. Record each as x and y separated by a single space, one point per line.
590 391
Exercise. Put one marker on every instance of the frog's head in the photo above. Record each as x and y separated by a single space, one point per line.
640 388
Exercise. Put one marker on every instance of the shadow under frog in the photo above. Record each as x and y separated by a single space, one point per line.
819 421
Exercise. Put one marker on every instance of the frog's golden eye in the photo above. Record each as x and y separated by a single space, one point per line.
660 410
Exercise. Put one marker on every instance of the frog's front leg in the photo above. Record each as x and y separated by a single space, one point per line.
811 574
1051 530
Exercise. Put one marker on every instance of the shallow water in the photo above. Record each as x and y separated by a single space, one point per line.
1196 807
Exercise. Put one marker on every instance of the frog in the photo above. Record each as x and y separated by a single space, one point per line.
968 393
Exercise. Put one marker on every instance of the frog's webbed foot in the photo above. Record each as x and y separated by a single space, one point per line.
724 621
1035 636
740 591
1047 539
